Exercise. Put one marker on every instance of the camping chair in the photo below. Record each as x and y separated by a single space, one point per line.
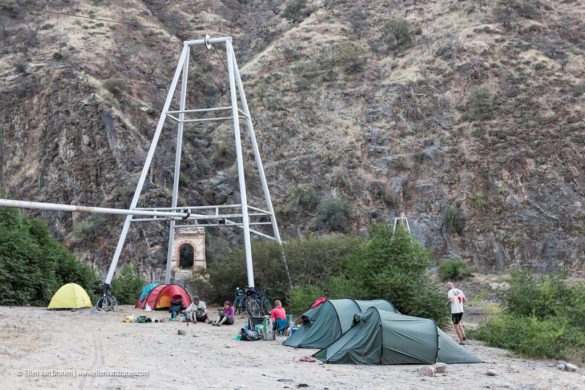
280 326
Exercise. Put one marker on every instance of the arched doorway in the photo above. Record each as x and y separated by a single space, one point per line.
186 256
188 252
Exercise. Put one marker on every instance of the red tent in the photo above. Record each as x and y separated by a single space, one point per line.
160 297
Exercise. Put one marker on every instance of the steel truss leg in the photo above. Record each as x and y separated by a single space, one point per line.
177 173
146 167
240 161
252 136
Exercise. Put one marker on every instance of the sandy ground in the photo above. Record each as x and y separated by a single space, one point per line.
55 350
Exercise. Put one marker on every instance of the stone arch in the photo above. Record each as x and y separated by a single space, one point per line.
186 256
195 238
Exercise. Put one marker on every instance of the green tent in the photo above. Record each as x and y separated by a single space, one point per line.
326 322
382 337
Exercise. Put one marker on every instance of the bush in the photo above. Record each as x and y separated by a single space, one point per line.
480 104
528 336
333 215
310 261
8 5
542 297
508 10
301 298
303 199
455 269
87 229
396 34
293 12
127 285
33 265
394 267
351 58
543 317
116 87
454 221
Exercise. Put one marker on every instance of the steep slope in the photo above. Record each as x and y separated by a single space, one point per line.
466 116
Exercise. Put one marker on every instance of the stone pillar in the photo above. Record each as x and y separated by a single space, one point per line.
194 236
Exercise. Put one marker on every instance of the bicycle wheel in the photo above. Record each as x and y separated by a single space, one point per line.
105 303
266 306
253 307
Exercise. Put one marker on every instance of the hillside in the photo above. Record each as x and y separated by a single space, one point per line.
467 116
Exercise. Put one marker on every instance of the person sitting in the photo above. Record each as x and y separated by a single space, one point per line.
226 315
176 306
197 310
278 315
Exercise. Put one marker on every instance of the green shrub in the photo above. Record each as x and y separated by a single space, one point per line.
394 266
527 335
480 104
455 269
545 296
543 317
293 11
351 58
33 265
116 87
396 34
333 215
303 199
127 285
8 5
454 221
508 10
301 298
88 229
310 261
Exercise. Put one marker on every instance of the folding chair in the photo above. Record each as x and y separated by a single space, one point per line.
280 326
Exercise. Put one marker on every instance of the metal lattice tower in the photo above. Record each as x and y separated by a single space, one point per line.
240 215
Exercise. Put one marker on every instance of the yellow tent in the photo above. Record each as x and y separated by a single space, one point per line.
70 296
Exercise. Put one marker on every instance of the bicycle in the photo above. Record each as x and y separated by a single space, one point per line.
239 301
107 301
256 302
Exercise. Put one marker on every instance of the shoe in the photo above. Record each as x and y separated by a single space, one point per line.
461 343
215 324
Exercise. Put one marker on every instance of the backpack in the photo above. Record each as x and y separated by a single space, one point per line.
249 335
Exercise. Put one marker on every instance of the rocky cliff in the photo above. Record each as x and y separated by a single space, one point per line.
467 116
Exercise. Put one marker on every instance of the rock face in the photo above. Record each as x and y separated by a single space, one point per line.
451 109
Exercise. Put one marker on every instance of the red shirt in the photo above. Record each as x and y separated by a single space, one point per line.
278 313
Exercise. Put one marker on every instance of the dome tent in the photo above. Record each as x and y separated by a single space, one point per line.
145 292
327 321
161 295
70 296
382 337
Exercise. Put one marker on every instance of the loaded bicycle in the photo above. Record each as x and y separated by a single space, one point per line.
251 300
107 301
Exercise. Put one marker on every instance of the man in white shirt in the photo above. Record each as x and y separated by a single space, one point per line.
456 300
197 311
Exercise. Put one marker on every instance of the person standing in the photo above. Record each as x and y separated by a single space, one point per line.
456 300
